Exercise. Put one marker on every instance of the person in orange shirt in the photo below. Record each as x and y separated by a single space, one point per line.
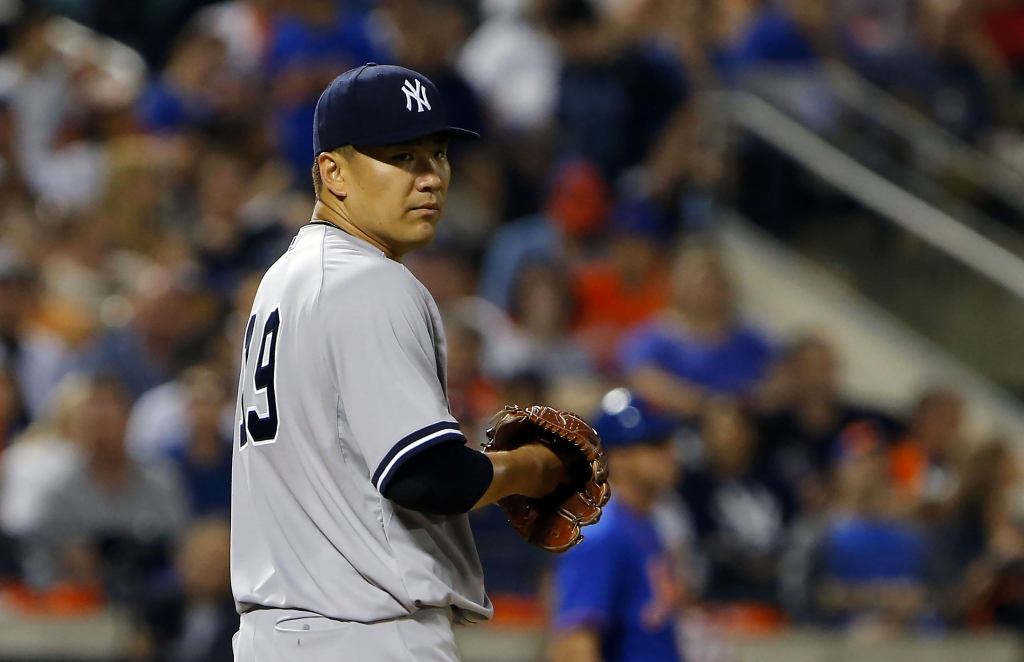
629 285
923 464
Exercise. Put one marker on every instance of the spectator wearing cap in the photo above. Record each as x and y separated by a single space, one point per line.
576 207
617 599
697 347
629 285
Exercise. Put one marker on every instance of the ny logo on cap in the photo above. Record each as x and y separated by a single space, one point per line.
418 93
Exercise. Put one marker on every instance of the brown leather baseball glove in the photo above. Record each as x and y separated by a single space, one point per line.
553 522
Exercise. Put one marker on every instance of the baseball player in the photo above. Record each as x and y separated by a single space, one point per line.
618 600
351 479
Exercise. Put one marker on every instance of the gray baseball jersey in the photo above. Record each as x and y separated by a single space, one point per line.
343 379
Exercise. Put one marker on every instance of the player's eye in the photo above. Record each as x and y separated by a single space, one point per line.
405 157
441 155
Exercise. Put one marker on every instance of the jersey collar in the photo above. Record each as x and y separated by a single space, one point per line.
361 243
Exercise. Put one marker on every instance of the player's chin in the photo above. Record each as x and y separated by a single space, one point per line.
421 232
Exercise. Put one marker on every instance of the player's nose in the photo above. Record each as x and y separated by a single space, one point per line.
429 180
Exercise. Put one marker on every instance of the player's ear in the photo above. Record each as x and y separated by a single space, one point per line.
333 171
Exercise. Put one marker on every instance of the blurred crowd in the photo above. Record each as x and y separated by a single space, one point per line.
147 181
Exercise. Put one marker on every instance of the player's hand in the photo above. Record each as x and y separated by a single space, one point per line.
532 470
549 470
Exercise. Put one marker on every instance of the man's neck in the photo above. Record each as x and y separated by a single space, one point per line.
326 212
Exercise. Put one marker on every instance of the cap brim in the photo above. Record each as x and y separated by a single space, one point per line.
461 134
416 134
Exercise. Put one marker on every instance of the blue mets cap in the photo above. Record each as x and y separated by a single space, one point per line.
626 420
378 104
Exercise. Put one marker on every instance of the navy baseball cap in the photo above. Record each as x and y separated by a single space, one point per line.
379 104
626 420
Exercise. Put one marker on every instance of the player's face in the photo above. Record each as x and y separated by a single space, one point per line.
658 465
396 193
650 466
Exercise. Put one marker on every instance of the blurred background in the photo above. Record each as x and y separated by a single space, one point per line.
794 226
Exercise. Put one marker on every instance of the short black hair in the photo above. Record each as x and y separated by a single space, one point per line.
318 183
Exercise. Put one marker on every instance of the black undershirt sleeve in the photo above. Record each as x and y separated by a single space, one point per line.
447 479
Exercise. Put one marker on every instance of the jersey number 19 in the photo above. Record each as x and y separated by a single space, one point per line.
261 427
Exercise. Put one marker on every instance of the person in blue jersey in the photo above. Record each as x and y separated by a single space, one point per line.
616 596
698 349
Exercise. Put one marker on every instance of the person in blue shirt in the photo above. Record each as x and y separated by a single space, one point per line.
616 597
872 563
697 349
